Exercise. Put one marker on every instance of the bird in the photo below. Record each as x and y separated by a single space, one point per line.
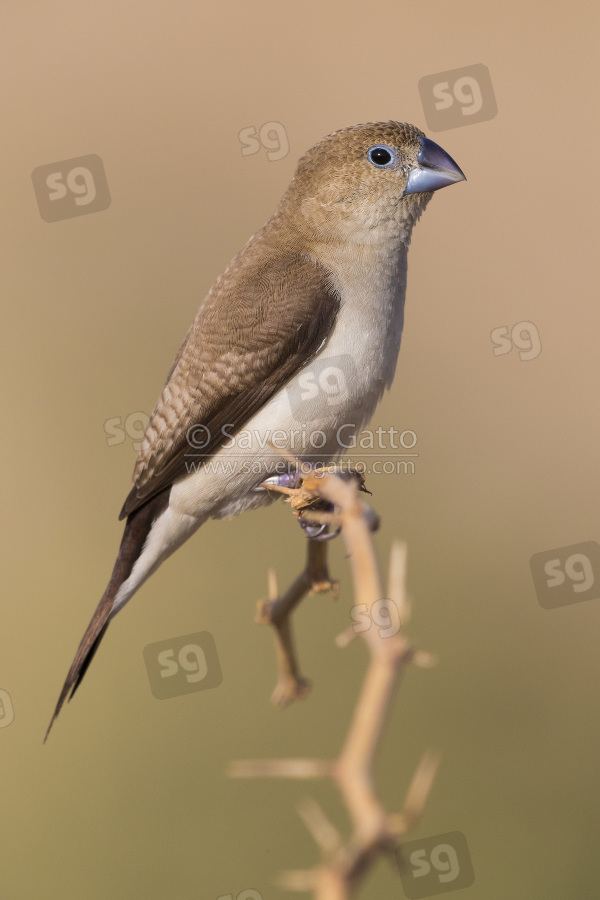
320 288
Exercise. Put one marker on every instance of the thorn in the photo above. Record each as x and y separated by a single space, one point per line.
280 768
322 829
302 880
345 637
272 583
419 788
424 660
397 581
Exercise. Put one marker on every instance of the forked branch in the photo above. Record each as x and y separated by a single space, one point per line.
374 831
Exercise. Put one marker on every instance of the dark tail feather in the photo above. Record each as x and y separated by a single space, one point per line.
90 655
137 528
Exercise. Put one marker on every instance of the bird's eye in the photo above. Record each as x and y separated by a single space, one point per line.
381 156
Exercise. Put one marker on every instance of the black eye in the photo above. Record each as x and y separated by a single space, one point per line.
381 156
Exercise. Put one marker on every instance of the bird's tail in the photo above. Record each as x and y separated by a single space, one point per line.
137 529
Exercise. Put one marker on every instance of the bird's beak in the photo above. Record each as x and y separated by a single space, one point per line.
434 169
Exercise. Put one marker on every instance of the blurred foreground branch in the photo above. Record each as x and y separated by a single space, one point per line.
374 831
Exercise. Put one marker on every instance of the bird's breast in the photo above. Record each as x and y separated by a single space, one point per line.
314 416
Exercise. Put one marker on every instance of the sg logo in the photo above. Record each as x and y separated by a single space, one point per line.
183 665
566 575
458 97
524 336
435 865
134 427
7 712
326 380
73 187
384 613
272 136
249 894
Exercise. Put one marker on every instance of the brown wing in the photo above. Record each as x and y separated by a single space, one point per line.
259 324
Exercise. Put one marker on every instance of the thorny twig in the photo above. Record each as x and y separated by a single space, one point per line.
374 830
277 612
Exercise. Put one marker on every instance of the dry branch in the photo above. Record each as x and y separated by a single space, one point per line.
277 612
374 831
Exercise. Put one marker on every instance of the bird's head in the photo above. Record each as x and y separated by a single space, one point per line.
368 183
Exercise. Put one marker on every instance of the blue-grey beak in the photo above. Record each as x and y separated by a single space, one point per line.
435 169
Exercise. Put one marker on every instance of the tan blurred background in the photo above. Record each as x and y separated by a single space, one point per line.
129 796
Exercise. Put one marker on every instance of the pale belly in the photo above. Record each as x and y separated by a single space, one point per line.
314 417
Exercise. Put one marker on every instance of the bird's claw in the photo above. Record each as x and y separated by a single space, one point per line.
317 531
290 480
291 483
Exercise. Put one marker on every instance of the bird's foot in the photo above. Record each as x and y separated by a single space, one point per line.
314 514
